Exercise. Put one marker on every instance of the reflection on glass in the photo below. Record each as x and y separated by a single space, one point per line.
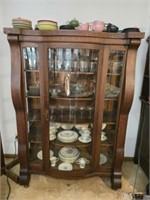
83 60
116 61
111 105
72 82
31 58
32 87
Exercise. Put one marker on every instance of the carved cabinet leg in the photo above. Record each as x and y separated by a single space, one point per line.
24 177
116 181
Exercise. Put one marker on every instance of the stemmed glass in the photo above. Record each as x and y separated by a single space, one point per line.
81 112
90 109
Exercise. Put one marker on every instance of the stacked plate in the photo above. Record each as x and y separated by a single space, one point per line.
68 154
47 25
22 23
67 136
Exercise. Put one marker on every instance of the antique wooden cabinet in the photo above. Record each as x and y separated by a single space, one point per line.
72 92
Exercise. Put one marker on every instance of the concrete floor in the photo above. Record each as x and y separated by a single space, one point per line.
95 188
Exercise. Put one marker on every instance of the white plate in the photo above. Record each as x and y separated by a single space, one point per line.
65 167
40 156
103 159
84 141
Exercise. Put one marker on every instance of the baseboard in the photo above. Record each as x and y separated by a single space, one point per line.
10 155
128 158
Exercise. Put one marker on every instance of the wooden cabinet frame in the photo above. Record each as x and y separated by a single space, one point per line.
105 43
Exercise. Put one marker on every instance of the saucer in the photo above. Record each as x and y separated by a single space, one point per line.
84 141
65 167
103 159
40 156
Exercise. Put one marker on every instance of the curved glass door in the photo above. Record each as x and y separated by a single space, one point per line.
33 99
72 82
111 106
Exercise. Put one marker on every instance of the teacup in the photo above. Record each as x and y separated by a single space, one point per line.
85 137
82 162
85 130
53 160
85 134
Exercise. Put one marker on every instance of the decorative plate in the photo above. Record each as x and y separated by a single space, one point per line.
103 159
40 156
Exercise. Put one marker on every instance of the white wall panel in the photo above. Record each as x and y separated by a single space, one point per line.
123 13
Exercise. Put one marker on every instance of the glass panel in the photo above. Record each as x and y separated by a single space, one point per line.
72 82
32 89
111 106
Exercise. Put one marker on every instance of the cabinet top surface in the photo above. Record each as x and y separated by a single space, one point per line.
74 33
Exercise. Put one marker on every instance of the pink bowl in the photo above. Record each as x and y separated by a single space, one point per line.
98 26
83 27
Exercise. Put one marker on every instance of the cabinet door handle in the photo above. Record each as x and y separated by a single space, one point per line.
67 85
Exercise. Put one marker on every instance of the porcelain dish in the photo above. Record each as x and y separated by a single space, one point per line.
22 23
69 154
47 25
103 159
81 126
67 126
67 136
81 139
65 167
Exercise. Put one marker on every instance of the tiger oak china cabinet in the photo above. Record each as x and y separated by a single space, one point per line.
72 91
